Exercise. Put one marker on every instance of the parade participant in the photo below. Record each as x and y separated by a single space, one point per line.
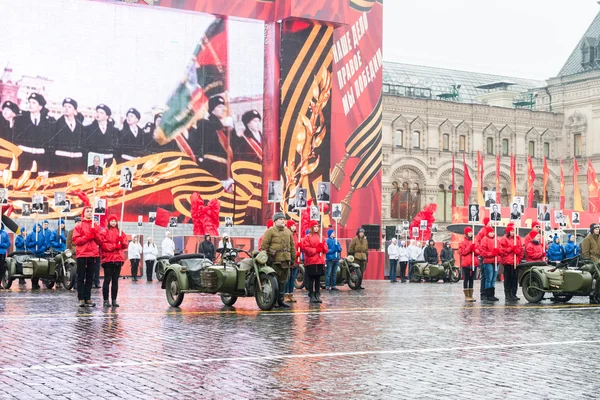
87 239
20 240
430 253
70 243
279 245
359 248
4 246
469 261
447 253
112 245
101 135
134 254
36 243
489 252
535 249
208 248
225 242
314 248
150 254
403 260
481 235
289 286
58 240
421 251
555 252
413 254
571 248
167 246
534 227
590 247
511 253
47 232
393 254
332 258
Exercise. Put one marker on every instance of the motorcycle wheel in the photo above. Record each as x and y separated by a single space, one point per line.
48 283
266 298
6 281
355 279
228 299
414 278
160 273
455 275
173 290
299 282
531 288
70 278
561 298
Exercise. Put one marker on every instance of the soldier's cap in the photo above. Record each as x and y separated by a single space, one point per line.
215 101
10 105
105 108
70 101
39 98
249 116
134 112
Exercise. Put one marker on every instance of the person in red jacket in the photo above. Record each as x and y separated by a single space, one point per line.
489 252
314 248
535 227
469 261
534 249
87 239
111 255
511 254
481 235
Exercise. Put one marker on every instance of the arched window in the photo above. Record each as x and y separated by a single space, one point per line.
532 148
417 139
577 145
462 143
490 145
446 142
546 149
504 147
399 138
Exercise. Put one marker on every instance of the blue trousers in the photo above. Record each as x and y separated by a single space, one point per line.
331 273
490 275
393 265
289 285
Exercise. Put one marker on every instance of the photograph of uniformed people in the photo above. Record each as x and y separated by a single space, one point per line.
26 211
315 213
473 213
495 213
101 136
301 198
275 191
100 207
67 207
228 222
515 212
131 137
336 212
32 131
60 198
7 119
65 141
3 196
247 145
490 198
95 163
126 180
37 203
323 192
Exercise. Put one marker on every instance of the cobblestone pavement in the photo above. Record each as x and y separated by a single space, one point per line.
390 341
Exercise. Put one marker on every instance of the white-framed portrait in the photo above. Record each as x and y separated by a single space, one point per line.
323 192
151 217
336 211
100 206
95 165
575 218
126 178
543 212
275 191
490 198
495 212
3 196
474 213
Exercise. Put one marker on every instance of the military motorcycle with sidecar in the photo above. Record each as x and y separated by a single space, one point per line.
448 272
572 277
348 272
251 277
54 267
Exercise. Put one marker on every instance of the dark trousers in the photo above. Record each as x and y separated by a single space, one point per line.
403 270
112 272
312 278
2 264
149 267
481 279
468 274
393 268
85 276
510 279
135 263
97 272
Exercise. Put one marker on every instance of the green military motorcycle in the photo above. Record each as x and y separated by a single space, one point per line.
56 267
448 272
572 277
251 277
348 272
160 266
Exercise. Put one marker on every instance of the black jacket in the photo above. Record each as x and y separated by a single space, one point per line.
208 249
447 254
431 255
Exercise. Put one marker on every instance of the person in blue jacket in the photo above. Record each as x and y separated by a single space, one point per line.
21 245
4 246
47 232
555 252
332 258
36 243
572 249
59 237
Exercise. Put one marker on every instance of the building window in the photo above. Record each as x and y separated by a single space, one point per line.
532 148
490 145
399 138
504 147
547 150
462 143
417 139
577 144
446 142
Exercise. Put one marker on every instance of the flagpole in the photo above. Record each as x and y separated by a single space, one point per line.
473 252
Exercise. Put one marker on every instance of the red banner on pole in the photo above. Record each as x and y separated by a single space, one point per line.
497 178
562 186
593 201
530 180
545 179
480 199
513 176
468 183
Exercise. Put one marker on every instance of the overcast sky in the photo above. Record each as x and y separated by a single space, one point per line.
521 38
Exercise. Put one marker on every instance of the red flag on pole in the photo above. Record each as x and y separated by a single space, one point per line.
468 183
562 186
545 179
513 176
593 200
453 184
162 217
577 205
498 178
480 199
530 180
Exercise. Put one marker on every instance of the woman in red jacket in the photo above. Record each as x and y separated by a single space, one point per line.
535 249
489 252
469 261
511 254
112 259
87 239
314 248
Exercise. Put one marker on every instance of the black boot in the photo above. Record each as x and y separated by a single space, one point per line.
483 294
492 295
281 302
318 297
313 298
514 295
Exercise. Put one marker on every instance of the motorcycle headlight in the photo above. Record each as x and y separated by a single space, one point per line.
350 259
68 253
262 257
